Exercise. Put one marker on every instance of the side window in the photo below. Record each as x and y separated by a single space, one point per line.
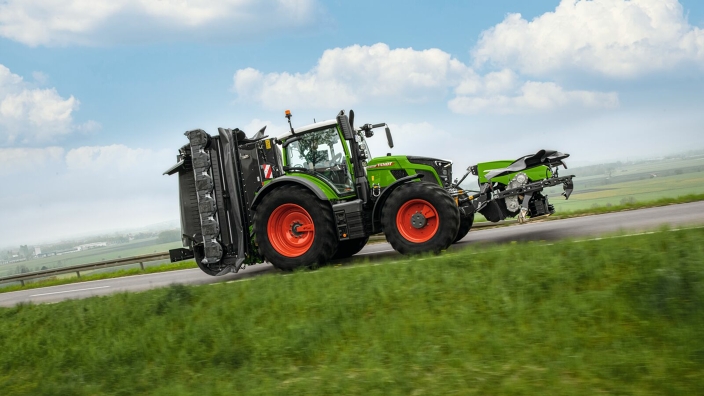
323 154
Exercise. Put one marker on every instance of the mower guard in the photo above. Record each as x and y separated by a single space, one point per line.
549 158
214 217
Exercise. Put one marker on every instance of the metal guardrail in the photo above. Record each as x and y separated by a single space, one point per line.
86 267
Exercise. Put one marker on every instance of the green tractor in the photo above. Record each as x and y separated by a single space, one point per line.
315 193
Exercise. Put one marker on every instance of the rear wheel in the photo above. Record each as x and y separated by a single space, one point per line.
294 228
350 248
465 225
420 217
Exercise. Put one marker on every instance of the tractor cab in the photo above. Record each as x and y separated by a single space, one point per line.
319 151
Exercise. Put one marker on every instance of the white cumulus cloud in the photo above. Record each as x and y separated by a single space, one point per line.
616 38
16 160
346 76
506 97
56 193
89 22
109 158
30 114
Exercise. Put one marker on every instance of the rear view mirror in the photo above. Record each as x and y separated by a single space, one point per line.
389 138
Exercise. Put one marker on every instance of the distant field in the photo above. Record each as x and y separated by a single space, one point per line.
134 248
642 190
673 178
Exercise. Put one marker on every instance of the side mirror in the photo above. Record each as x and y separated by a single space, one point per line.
389 138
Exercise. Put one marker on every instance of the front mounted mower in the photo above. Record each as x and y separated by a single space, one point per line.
314 193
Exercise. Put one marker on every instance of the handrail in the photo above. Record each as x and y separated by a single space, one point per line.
86 267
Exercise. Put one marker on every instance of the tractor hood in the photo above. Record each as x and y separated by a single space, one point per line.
442 167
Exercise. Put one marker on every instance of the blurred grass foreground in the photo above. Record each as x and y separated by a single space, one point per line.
619 315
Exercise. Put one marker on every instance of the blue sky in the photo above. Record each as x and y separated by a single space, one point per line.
95 96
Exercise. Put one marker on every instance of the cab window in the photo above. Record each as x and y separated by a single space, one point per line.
322 153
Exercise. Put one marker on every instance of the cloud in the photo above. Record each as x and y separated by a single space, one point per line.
106 158
85 189
411 139
344 77
17 160
533 97
616 38
30 114
88 22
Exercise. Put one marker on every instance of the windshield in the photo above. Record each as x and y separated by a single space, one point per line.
322 153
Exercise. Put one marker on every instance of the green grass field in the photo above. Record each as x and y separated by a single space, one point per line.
629 183
615 316
638 191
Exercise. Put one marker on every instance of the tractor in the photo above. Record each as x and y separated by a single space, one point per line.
314 194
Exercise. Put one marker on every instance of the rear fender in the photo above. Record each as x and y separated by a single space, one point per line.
280 181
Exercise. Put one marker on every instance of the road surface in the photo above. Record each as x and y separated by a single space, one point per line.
636 220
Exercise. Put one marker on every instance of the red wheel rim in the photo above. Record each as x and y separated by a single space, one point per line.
420 232
291 230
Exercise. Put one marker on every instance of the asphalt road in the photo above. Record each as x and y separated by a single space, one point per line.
637 220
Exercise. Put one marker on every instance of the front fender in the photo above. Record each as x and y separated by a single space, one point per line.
379 204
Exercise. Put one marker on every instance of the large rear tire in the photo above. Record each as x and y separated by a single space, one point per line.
420 217
465 225
350 248
294 228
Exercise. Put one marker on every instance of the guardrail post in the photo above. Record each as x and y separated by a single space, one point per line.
22 282
78 274
141 265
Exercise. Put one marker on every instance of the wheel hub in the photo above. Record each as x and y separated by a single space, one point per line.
294 229
290 230
418 220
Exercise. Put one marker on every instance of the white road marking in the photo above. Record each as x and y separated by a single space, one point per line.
69 291
380 251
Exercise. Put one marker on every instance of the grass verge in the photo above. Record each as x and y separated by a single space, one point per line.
621 315
103 275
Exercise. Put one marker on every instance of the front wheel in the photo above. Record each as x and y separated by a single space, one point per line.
420 217
294 228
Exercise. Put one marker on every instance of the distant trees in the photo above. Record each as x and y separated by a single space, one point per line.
26 252
169 236
144 235
596 170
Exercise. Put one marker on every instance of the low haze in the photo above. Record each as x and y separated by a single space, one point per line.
94 100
